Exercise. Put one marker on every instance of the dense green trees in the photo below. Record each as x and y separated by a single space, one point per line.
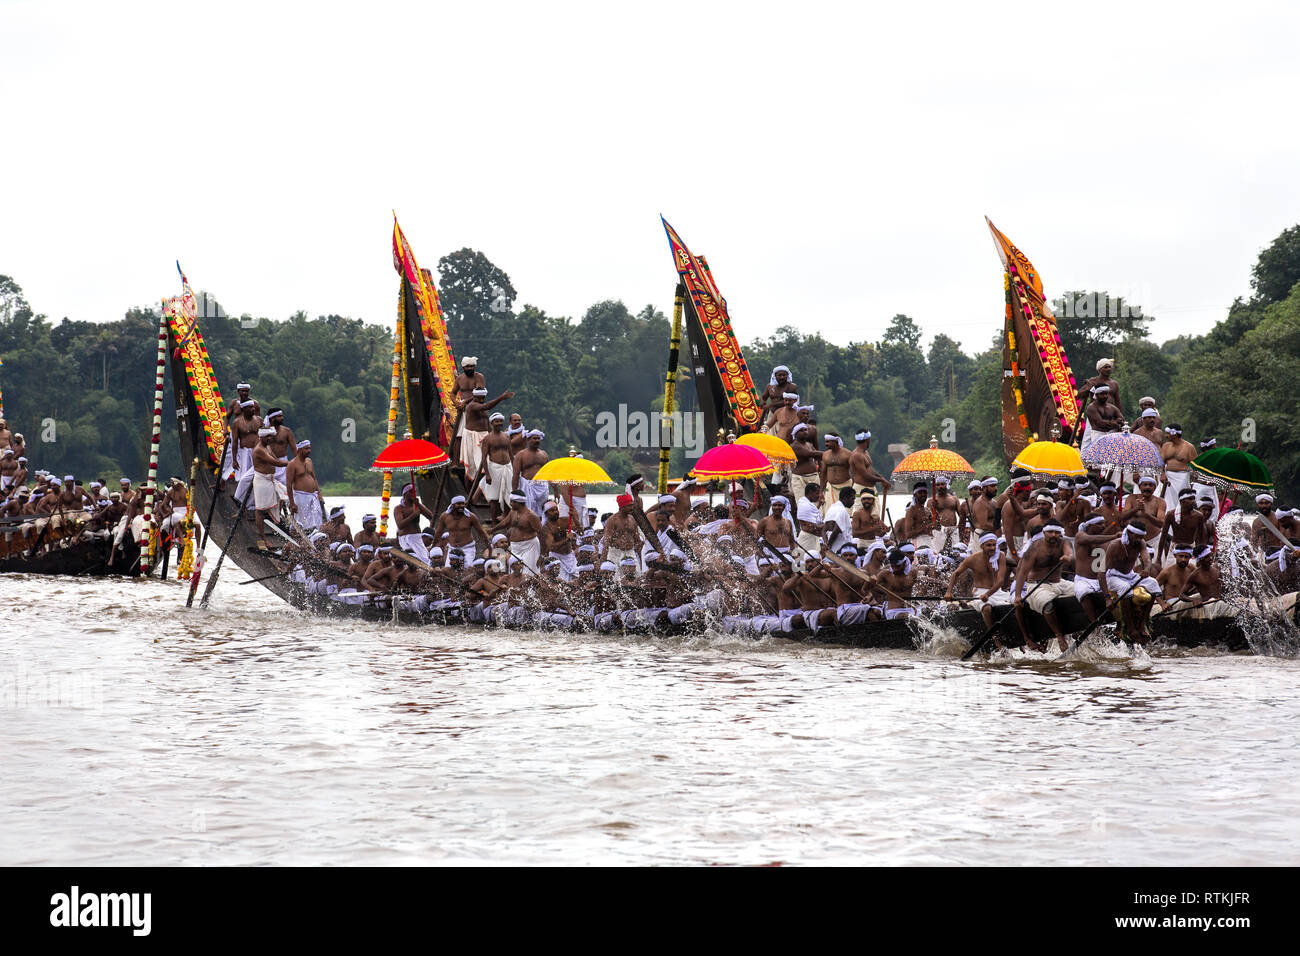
82 391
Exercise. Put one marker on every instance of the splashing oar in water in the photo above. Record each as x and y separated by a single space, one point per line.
988 635
212 581
1102 616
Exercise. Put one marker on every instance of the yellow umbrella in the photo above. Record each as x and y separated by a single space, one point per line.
573 470
1051 459
777 451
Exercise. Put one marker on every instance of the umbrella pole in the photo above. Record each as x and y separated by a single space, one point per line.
570 490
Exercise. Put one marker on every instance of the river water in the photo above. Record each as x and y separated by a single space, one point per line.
136 732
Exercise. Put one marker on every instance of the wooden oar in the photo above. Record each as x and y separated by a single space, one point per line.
785 559
1192 607
988 635
854 569
568 610
202 541
212 581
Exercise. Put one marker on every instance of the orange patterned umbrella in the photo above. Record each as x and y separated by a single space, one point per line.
929 463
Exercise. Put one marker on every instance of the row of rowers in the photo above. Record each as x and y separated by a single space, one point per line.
940 520
46 512
828 461
774 574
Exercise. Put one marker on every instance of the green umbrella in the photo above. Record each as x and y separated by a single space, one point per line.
1232 468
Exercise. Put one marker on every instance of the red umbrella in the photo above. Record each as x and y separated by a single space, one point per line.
410 453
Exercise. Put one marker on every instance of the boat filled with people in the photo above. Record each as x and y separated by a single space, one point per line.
1105 524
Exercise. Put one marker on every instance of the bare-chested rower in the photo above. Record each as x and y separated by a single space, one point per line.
460 525
522 528
1184 525
407 516
1039 582
622 536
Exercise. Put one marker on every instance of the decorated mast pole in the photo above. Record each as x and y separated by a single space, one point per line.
670 388
146 553
398 340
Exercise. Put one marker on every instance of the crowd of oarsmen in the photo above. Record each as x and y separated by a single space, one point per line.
827 553
794 567
47 513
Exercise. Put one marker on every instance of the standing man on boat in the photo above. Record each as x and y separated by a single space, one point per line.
266 490
773 397
244 431
498 475
527 464
1178 454
305 501
476 429
919 519
944 505
865 477
808 461
557 541
518 437
284 444
1148 429
1102 378
407 518
230 467
467 379
835 472
786 416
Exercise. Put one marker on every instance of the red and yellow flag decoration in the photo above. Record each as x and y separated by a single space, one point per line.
1028 305
182 317
432 325
711 310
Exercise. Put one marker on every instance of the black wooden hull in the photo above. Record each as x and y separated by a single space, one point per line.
82 558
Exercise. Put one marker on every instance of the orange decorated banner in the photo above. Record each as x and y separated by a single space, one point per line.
711 310
182 319
1027 299
433 326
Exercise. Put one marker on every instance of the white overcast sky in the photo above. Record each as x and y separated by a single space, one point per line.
834 162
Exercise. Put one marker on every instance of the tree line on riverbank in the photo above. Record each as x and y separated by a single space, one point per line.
82 391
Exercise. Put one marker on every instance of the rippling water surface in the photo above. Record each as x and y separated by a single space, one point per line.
135 732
